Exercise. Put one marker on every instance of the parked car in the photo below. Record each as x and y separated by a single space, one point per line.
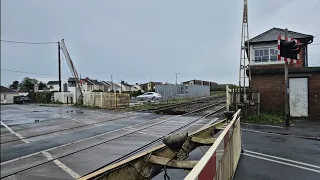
149 96
22 100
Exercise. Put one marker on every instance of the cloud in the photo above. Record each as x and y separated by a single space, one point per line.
139 40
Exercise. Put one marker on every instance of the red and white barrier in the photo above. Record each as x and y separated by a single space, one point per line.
221 160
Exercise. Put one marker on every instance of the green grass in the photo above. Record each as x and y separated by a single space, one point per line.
217 93
266 118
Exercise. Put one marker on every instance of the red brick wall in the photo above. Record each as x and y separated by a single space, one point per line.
314 95
271 88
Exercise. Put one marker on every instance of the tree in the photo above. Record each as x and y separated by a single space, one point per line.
14 85
42 85
27 84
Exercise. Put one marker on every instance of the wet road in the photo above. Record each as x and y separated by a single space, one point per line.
271 156
68 144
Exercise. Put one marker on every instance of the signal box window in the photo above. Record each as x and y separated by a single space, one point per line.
265 55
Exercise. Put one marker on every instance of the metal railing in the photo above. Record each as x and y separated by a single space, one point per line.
220 161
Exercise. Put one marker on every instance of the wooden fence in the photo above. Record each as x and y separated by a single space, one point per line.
106 100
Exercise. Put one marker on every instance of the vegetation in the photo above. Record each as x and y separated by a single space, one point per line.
217 93
266 118
27 85
40 97
222 87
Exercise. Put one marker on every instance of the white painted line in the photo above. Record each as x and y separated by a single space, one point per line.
61 165
284 163
260 132
263 125
47 155
283 159
18 135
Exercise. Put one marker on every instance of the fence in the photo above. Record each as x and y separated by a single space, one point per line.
221 160
106 100
64 97
181 91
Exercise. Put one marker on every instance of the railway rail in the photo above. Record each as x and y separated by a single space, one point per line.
6 164
85 124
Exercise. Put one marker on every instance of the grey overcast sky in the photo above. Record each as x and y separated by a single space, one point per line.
139 40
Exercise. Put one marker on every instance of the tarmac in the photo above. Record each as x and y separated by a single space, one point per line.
63 142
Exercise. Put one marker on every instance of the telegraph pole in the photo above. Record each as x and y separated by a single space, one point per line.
59 66
176 78
112 83
286 78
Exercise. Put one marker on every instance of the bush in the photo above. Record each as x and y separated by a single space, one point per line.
40 97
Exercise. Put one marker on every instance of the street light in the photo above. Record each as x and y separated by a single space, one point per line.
177 78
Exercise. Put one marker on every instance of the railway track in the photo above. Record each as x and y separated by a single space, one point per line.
6 164
85 124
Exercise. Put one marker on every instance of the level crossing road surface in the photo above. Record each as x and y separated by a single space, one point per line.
40 142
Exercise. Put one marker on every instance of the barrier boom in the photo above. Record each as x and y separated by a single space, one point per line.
221 160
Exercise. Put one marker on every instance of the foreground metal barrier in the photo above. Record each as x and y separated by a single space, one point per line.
221 160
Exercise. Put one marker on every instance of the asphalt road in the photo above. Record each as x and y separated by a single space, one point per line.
67 144
271 156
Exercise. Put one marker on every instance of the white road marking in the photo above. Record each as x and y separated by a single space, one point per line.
263 125
283 159
61 165
18 135
284 163
47 155
260 132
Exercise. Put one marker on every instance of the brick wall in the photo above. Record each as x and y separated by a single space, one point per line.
272 95
314 95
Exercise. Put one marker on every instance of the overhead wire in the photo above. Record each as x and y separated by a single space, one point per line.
27 42
43 74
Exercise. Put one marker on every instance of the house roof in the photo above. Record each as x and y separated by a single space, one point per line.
7 90
272 35
86 81
94 81
52 82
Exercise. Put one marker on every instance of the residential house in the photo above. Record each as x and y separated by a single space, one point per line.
124 86
7 95
109 86
96 84
87 86
267 76
150 86
53 85
136 87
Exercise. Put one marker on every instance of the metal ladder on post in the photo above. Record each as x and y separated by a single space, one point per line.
244 57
